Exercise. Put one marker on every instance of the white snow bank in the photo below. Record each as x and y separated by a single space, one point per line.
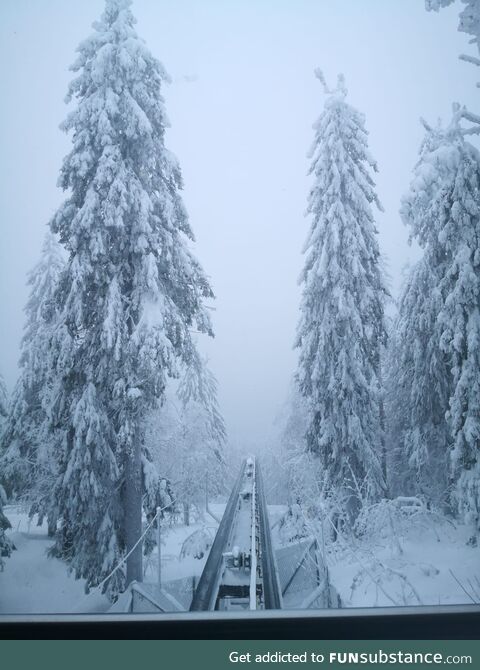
427 568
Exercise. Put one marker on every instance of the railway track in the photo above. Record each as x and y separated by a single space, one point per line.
240 572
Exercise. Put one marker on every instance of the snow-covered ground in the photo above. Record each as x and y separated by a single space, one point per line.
427 565
31 582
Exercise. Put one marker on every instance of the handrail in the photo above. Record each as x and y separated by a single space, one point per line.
272 594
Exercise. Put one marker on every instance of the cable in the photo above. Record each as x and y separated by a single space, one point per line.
104 581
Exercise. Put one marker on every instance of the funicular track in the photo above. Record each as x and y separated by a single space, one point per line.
241 572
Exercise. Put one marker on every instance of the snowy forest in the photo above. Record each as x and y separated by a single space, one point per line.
118 464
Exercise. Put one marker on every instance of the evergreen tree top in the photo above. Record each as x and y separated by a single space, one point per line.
340 152
340 92
115 28
343 190
125 214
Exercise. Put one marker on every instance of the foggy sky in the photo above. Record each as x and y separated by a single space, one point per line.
242 103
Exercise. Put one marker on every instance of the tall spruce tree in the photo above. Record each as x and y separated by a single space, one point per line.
342 325
29 460
463 415
459 319
418 375
443 211
417 393
129 295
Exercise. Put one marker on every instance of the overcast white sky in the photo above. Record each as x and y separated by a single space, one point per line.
241 105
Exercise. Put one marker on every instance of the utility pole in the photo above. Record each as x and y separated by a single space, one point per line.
159 547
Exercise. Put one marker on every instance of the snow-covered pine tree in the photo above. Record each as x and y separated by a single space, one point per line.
198 392
292 419
187 438
287 452
342 325
129 295
204 432
463 416
459 320
29 461
418 378
417 384
443 210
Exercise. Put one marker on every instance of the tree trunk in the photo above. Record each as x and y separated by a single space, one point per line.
353 507
52 527
133 512
186 514
384 449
